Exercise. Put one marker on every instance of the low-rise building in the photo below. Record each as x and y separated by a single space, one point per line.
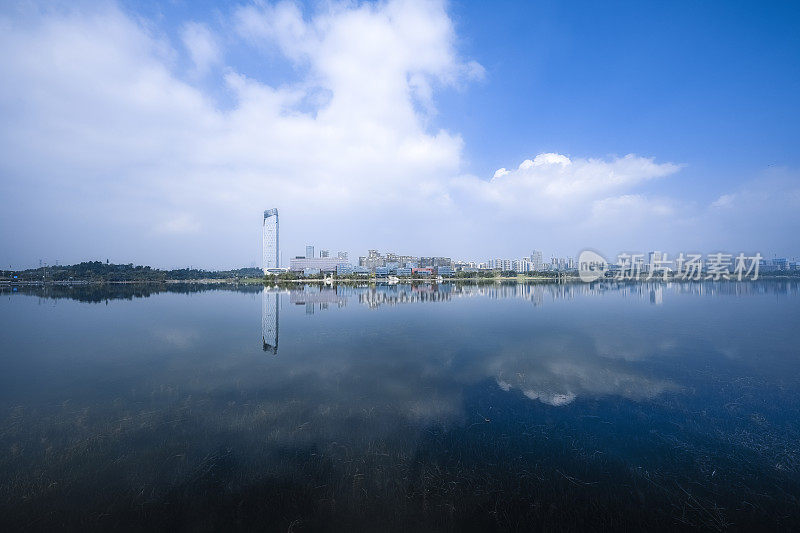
344 269
323 264
444 271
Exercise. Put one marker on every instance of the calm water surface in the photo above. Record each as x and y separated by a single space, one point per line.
449 407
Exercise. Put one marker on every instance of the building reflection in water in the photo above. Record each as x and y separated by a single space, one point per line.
315 297
320 298
269 320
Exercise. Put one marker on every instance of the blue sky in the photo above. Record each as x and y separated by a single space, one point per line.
156 133
713 84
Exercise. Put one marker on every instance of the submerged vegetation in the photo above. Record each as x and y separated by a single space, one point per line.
202 461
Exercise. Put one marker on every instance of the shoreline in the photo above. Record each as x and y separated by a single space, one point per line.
371 281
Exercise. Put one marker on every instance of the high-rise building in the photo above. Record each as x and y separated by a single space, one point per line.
324 253
536 259
271 250
372 260
341 256
309 252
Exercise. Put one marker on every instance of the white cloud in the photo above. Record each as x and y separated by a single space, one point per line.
558 176
553 188
500 172
99 111
723 201
202 46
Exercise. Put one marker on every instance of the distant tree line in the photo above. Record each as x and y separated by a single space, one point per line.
97 271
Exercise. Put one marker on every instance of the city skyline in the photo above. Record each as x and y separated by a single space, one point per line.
313 264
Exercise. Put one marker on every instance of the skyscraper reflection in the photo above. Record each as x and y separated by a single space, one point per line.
269 320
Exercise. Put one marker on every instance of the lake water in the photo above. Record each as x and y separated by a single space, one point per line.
398 407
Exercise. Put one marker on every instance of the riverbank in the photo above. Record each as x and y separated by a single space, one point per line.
566 278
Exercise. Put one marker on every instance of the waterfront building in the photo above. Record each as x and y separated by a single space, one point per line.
323 264
444 271
422 271
404 271
381 272
344 269
435 261
270 250
502 264
371 260
460 266
780 263
536 259
401 259
523 265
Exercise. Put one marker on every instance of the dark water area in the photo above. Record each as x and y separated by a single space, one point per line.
450 407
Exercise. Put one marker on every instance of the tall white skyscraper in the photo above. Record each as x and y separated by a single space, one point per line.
270 240
309 252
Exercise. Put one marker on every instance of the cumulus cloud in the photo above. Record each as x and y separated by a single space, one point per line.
556 176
